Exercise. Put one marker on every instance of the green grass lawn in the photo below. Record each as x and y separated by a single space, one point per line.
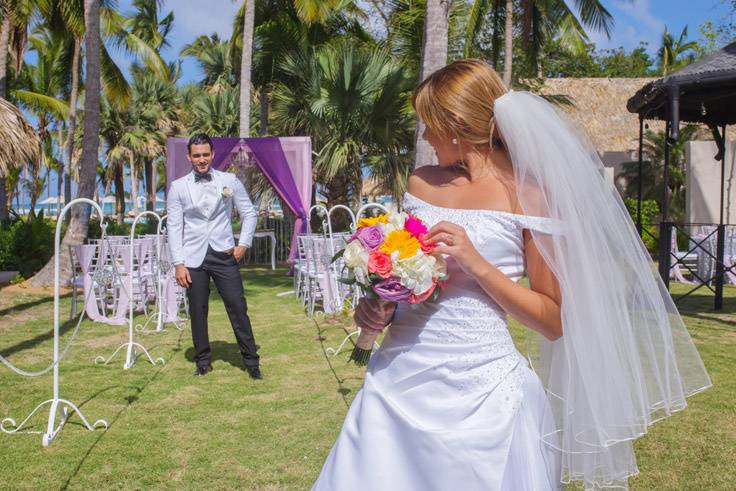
171 430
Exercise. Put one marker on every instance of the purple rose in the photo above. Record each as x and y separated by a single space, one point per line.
369 237
392 290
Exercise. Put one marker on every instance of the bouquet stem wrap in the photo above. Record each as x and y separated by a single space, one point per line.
364 346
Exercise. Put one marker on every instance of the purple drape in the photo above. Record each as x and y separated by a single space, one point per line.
270 159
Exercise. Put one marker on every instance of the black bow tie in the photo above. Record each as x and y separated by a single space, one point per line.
202 177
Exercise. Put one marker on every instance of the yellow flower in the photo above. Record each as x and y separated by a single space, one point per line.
369 222
402 242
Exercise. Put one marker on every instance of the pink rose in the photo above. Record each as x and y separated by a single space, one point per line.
426 248
415 226
424 296
369 237
380 263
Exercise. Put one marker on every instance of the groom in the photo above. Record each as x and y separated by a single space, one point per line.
202 247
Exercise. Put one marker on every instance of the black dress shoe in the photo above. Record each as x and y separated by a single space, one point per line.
255 373
202 371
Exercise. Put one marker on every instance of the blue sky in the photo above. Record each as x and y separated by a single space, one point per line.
644 20
635 21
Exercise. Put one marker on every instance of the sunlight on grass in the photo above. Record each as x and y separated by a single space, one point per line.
171 430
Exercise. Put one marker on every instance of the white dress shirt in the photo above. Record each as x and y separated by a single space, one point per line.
207 196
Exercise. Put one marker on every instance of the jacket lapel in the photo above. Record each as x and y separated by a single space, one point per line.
217 179
190 188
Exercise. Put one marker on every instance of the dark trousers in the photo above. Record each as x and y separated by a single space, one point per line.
223 269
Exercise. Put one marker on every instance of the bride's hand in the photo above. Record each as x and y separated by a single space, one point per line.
374 314
457 244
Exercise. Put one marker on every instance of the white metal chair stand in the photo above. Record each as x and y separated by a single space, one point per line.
131 357
61 408
356 290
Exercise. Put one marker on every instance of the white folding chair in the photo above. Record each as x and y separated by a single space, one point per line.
683 258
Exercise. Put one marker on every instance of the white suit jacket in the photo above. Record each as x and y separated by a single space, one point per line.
191 230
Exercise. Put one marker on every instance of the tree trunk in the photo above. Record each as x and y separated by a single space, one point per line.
108 185
21 184
4 39
154 184
77 230
36 186
509 44
71 122
60 171
133 184
245 68
48 182
119 194
150 193
264 111
434 57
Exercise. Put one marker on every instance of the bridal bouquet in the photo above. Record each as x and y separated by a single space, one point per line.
387 258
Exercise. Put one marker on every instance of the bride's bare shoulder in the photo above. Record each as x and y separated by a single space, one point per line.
424 179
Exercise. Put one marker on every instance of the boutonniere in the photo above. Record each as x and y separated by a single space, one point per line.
227 192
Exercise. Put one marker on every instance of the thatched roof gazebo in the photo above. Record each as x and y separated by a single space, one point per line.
19 143
703 92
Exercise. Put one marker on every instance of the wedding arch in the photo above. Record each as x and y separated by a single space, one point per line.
285 161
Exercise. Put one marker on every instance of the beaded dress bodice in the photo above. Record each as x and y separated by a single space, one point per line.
476 351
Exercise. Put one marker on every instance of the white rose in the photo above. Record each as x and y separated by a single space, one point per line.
396 220
356 258
440 267
386 228
416 273
227 192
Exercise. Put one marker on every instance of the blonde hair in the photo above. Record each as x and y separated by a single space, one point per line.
457 102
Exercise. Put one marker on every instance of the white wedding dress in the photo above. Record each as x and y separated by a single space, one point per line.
448 402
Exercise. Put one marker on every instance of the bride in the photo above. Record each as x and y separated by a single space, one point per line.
448 401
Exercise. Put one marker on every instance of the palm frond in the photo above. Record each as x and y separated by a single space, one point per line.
43 102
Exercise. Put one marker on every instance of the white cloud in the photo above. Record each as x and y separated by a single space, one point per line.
635 22
193 18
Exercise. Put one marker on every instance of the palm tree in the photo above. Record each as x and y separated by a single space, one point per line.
77 230
215 59
91 142
653 164
154 96
214 113
540 21
4 38
671 54
16 15
68 18
434 57
508 42
354 101
144 23
282 25
245 67
43 83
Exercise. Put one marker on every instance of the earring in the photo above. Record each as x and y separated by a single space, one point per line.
454 141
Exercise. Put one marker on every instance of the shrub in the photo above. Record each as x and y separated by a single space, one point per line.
649 212
113 228
26 245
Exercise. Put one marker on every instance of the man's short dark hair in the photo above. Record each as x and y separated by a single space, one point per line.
199 139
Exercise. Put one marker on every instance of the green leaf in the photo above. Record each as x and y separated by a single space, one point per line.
41 102
338 255
348 281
